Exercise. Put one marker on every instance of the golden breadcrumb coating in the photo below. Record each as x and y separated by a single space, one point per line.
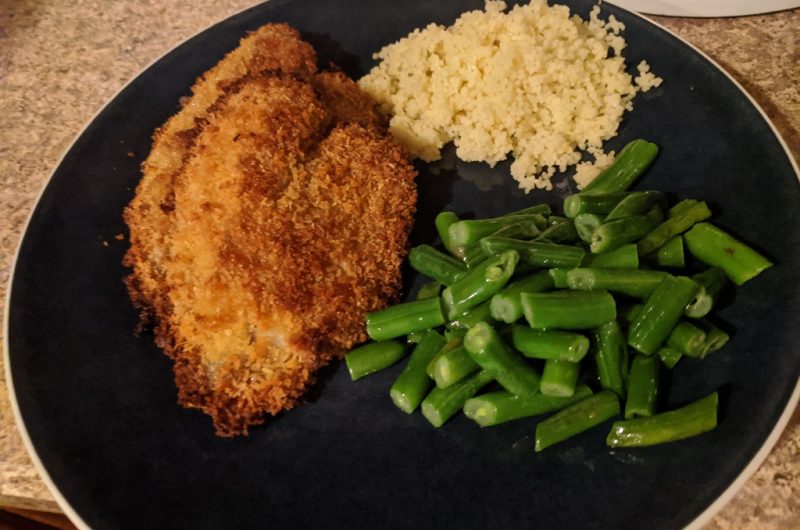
273 213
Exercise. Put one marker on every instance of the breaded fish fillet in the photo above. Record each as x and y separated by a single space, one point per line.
273 213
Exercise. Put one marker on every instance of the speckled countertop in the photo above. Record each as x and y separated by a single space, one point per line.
61 61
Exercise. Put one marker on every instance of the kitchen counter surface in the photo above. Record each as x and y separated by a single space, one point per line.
61 61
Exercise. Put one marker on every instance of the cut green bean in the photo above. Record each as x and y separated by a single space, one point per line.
474 253
671 254
506 305
586 224
669 356
470 317
568 309
631 162
559 378
576 418
681 207
637 203
715 338
611 357
402 319
464 232
413 383
614 234
717 248
559 277
711 282
443 222
545 255
622 257
632 282
372 357
687 339
437 265
415 336
537 209
429 290
488 350
562 231
479 284
673 226
595 203
690 420
450 344
453 366
630 312
642 386
499 407
661 313
442 403
549 344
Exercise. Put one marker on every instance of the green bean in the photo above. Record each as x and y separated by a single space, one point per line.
642 387
474 253
559 277
440 405
626 168
464 232
630 312
549 344
576 418
611 357
506 305
429 290
453 366
413 383
711 282
371 357
681 207
637 203
568 309
690 420
715 338
479 284
595 203
562 231
443 222
669 356
545 255
671 254
687 339
537 209
415 336
470 317
632 282
586 224
613 234
451 343
623 257
716 247
672 227
499 407
661 313
559 378
402 319
437 265
488 350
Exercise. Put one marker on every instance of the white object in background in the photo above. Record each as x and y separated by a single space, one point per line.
706 8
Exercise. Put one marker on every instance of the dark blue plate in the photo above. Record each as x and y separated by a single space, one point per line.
98 403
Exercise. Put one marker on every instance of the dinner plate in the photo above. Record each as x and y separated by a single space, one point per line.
97 404
706 8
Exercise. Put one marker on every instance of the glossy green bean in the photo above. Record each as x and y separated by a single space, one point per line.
642 386
661 313
402 319
717 248
614 234
435 264
622 257
637 283
673 226
568 309
549 344
413 383
487 349
506 305
372 357
631 162
502 406
442 403
545 255
559 378
611 357
576 418
479 284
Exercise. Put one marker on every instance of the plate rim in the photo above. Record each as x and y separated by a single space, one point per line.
717 11
697 523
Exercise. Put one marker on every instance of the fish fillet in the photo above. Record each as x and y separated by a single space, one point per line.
272 214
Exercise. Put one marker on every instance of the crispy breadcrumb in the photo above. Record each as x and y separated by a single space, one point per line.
273 213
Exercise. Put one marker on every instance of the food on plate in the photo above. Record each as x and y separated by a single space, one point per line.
533 82
272 214
575 317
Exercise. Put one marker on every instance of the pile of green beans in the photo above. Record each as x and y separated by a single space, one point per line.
533 313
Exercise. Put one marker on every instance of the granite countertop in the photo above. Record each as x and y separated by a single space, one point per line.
61 61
